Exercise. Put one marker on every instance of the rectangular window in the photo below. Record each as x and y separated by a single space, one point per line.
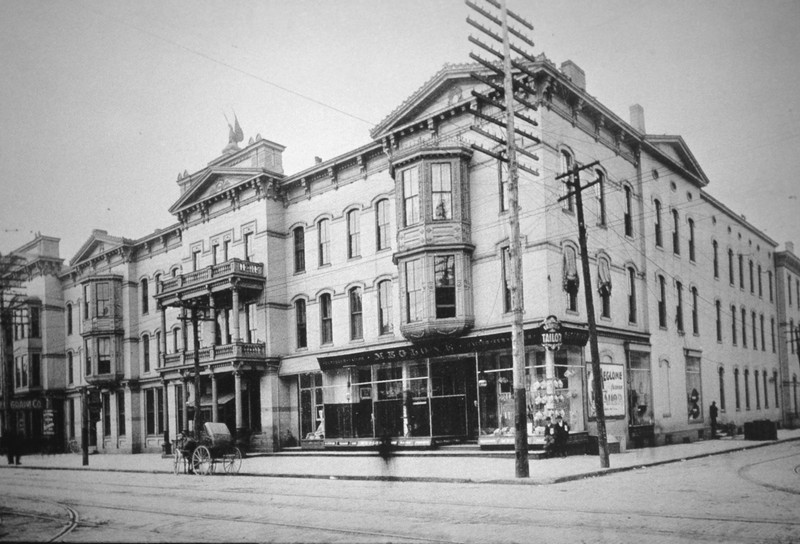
121 412
385 307
718 310
695 313
103 300
752 277
69 319
760 283
88 356
746 389
146 353
766 390
676 240
382 225
600 197
356 315
758 391
441 191
104 355
251 322
326 319
411 196
741 271
694 389
226 245
679 306
299 249
776 385
195 259
158 348
691 240
150 411
721 389
214 253
300 323
35 322
769 278
755 336
323 242
353 234
86 303
659 236
445 278
763 341
36 369
731 276
715 247
628 211
733 324
70 368
772 332
106 414
789 287
414 298
249 250
736 389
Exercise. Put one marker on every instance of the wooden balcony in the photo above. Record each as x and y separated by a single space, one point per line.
239 352
231 274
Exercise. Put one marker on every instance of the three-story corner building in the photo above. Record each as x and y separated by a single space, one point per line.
369 295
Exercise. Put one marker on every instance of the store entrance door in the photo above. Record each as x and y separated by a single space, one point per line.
453 394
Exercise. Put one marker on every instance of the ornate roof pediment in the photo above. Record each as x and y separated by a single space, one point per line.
675 149
450 86
214 182
99 243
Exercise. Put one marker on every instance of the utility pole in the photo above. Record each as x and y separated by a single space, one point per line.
522 469
10 269
194 318
574 184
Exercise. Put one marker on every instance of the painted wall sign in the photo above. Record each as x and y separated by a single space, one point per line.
26 404
613 390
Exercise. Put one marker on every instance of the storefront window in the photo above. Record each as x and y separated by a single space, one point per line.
640 393
694 389
312 416
613 388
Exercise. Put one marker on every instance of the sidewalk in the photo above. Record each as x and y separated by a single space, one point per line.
464 466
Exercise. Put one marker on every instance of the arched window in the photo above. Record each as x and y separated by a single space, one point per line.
760 283
571 280
323 242
744 327
146 353
733 324
566 165
385 307
718 310
695 312
662 302
752 276
70 367
746 389
721 389
353 234
730 267
68 311
299 237
758 391
679 306
631 295
300 323
382 225
659 236
600 197
326 319
676 241
628 211
356 314
604 286
145 296
691 240
737 395
715 247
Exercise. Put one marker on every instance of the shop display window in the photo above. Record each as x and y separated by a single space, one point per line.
640 389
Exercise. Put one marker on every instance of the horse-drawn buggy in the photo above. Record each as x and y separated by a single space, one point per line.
200 455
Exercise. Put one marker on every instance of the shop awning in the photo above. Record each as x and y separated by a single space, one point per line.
205 400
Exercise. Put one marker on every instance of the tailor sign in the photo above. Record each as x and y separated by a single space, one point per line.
551 333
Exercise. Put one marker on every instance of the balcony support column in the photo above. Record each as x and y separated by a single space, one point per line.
162 348
236 336
214 407
237 390
185 404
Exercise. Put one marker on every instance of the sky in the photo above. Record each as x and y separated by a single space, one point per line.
103 103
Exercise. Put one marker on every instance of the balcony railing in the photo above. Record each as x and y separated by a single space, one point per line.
234 268
239 351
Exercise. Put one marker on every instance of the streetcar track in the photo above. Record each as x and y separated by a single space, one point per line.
74 520
744 473
474 505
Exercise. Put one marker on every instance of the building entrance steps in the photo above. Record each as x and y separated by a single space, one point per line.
452 464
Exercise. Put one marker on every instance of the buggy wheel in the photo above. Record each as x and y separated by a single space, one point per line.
201 461
177 460
232 461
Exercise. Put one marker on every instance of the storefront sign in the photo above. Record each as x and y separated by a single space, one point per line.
49 423
613 390
435 348
551 333
26 404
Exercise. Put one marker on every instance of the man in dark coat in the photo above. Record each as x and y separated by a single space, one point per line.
562 435
11 444
549 437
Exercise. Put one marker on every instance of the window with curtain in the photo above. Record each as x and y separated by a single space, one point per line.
441 191
356 314
571 281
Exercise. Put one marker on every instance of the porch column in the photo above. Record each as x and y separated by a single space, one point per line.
214 407
237 389
235 317
213 314
165 417
162 348
184 404
549 380
184 330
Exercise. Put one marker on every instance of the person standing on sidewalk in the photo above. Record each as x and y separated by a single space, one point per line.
562 435
11 444
712 414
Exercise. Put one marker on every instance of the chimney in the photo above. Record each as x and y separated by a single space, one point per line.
789 247
574 73
317 160
637 118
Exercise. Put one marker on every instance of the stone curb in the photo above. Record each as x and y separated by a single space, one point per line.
434 479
